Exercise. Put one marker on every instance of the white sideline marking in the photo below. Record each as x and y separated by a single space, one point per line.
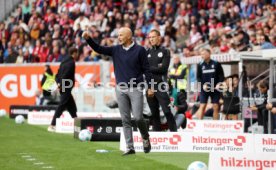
31 159
39 163
47 167
26 156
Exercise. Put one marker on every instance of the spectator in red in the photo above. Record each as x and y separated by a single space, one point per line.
45 51
182 10
67 31
3 32
37 50
54 56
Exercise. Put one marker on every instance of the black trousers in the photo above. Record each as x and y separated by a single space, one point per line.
161 98
66 102
263 119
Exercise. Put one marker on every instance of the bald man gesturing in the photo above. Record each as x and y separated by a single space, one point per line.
130 64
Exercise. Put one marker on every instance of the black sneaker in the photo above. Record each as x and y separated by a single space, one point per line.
129 152
146 145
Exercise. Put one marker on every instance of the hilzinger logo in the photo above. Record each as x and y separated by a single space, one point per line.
237 126
232 162
239 141
268 141
174 140
191 125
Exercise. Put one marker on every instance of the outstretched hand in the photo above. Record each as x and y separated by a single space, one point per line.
269 106
150 93
85 35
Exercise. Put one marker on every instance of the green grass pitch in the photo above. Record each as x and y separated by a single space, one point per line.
28 147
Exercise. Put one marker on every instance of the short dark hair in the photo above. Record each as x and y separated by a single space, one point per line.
156 31
263 84
206 49
72 50
235 76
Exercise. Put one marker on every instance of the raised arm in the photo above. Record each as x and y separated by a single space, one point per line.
96 47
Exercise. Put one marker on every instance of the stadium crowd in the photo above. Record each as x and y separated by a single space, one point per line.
44 30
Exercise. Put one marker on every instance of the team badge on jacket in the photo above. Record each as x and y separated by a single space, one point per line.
160 54
149 55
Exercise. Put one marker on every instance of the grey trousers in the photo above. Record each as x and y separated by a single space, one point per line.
131 100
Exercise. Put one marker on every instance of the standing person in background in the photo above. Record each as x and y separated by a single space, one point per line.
178 77
209 74
159 60
271 106
130 64
180 106
262 117
48 74
230 98
65 80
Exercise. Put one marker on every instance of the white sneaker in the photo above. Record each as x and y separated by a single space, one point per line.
52 129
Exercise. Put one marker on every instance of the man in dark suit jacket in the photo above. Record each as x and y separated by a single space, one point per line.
65 80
